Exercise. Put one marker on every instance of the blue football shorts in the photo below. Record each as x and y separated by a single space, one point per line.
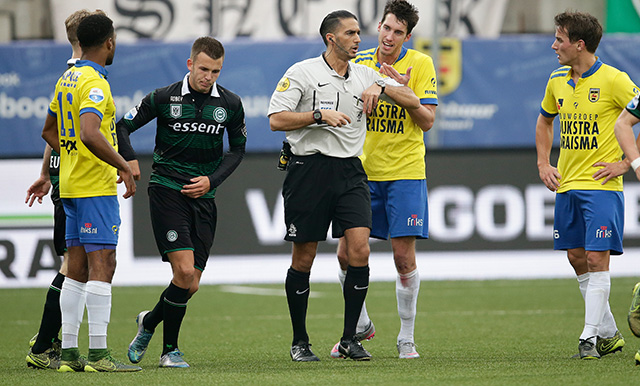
589 219
92 220
399 208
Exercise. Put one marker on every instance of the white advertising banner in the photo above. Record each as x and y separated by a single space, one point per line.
27 258
180 20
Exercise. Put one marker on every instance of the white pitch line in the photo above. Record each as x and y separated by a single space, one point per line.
239 289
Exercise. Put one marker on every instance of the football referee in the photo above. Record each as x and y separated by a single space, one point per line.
321 104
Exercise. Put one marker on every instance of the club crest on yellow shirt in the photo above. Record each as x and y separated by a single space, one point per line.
594 94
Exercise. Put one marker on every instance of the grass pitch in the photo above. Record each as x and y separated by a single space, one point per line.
508 332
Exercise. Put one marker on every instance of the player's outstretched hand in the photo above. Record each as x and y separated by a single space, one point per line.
392 73
37 190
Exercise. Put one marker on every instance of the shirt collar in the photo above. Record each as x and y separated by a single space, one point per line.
346 75
95 66
185 87
593 68
587 73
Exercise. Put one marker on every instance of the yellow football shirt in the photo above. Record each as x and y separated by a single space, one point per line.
588 111
394 147
84 89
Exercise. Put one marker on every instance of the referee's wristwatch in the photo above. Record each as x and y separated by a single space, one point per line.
382 84
317 115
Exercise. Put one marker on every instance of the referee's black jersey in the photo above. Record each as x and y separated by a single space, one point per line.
189 137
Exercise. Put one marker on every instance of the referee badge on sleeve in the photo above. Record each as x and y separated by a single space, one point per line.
283 84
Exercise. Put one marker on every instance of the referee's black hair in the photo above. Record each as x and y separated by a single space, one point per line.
580 26
94 30
331 22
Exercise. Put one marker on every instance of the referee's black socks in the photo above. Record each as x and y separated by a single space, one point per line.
356 284
297 289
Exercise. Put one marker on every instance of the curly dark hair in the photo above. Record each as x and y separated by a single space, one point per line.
94 30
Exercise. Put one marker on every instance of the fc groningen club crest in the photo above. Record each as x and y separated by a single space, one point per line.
220 114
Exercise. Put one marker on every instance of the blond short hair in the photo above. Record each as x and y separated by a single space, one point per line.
72 21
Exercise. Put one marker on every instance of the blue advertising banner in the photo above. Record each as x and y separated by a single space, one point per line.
501 85
490 90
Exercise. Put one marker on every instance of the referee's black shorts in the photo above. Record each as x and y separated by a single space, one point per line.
319 190
182 223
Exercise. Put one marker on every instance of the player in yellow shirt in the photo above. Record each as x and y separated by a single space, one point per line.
45 345
588 96
393 158
81 128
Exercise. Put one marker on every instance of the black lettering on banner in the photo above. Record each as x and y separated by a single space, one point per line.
457 15
36 265
288 10
367 20
141 13
245 23
210 16
9 257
